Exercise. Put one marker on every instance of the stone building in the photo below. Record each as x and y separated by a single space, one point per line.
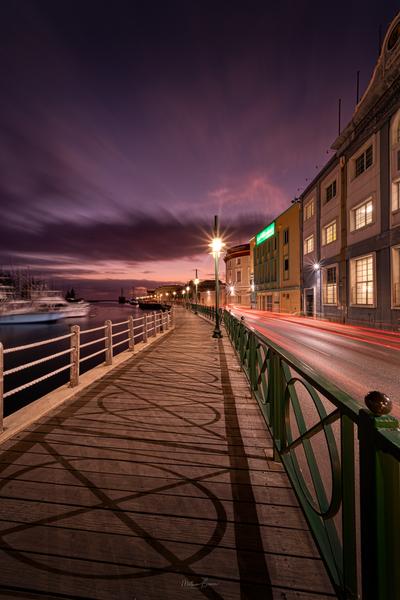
277 263
238 284
351 210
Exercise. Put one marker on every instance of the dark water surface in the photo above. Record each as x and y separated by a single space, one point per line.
19 335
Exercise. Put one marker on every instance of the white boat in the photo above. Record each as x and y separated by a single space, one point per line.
14 311
51 300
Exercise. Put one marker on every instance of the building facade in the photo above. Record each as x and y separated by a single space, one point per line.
351 211
238 283
277 263
206 293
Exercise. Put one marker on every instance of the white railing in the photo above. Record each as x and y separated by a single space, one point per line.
148 325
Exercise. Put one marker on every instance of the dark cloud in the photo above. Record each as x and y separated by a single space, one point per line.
138 240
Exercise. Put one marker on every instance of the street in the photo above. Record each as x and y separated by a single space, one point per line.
356 359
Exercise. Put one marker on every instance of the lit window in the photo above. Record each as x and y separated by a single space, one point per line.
308 210
364 161
330 191
329 233
396 277
396 195
362 281
309 244
329 289
361 215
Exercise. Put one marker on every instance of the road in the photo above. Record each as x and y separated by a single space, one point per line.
356 359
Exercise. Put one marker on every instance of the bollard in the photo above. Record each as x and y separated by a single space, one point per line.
379 501
108 344
1 386
75 355
145 328
131 333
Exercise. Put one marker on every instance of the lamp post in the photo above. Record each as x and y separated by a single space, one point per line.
187 291
196 283
216 246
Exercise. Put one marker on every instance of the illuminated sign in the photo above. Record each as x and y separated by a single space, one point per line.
265 234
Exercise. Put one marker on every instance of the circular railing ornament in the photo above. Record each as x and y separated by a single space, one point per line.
378 403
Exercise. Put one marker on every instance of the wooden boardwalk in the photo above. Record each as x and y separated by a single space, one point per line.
155 483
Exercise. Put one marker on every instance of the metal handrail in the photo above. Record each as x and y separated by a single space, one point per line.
276 378
159 320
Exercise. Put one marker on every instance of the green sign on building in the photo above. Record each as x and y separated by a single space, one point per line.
265 234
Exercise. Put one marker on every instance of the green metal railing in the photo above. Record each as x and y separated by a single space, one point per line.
343 464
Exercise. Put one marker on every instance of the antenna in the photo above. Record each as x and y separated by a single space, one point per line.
339 115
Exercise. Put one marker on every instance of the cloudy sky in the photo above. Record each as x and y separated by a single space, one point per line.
125 126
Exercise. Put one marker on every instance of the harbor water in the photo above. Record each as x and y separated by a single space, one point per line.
22 334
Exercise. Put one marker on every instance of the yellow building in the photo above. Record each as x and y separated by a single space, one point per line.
276 256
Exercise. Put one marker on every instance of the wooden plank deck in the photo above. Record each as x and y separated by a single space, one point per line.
155 483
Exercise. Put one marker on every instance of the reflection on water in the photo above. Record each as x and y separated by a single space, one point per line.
19 335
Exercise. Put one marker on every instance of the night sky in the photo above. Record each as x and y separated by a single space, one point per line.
125 126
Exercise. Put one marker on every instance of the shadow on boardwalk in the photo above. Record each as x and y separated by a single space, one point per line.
155 483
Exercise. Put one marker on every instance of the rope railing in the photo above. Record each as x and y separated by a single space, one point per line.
138 328
344 465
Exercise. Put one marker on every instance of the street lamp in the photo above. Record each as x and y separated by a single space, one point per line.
216 247
196 283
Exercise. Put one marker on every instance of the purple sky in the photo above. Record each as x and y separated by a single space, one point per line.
125 126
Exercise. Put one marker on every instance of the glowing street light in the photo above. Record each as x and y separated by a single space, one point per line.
216 247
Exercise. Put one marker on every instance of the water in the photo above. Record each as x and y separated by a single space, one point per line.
19 335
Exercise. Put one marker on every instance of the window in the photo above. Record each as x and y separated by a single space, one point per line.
329 289
285 236
364 161
396 277
238 261
330 191
329 233
238 276
309 244
285 267
308 210
362 280
395 196
361 215
398 160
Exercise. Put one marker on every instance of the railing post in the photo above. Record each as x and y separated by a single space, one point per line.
379 503
166 320
75 355
131 333
155 324
1 386
145 328
109 341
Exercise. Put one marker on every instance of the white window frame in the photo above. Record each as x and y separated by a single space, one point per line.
325 229
327 287
353 214
395 277
306 249
309 210
396 195
364 155
330 186
354 283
